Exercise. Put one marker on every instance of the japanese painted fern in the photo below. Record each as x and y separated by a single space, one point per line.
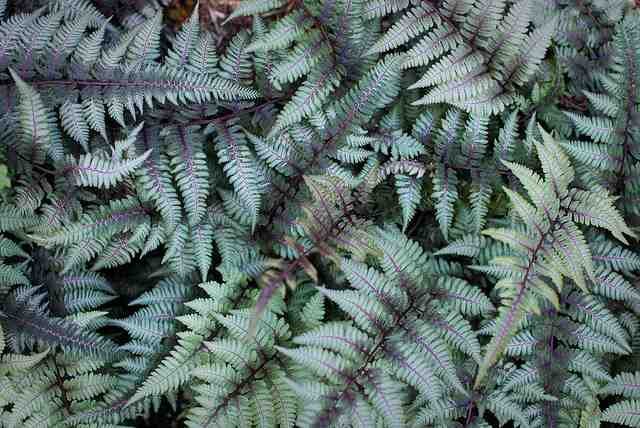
337 213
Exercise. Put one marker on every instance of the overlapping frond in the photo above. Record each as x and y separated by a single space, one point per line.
552 245
319 213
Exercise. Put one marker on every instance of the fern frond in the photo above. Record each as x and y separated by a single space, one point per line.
255 7
26 322
566 255
185 43
239 166
101 172
37 124
173 371
189 167
624 413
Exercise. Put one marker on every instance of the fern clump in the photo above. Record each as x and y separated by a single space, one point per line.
342 213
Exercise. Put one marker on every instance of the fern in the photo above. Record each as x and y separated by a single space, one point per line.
364 363
476 57
611 130
240 166
382 213
552 244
